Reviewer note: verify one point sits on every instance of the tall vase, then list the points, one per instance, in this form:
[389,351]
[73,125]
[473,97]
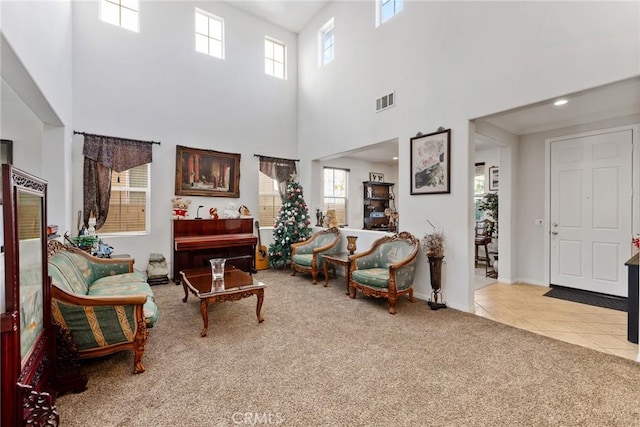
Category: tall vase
[351,244]
[435,273]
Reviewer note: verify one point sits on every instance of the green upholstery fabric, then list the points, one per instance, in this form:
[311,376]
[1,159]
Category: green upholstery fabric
[394,252]
[109,328]
[109,286]
[374,277]
[99,326]
[70,273]
[306,259]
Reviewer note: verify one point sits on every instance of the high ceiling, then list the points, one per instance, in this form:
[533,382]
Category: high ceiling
[292,15]
[613,100]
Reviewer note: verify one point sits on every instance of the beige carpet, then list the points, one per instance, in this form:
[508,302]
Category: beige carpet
[321,358]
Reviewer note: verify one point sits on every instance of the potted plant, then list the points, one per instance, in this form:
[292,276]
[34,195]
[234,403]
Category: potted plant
[433,246]
[489,205]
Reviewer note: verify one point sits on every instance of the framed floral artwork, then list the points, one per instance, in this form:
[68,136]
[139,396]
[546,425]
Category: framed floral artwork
[430,163]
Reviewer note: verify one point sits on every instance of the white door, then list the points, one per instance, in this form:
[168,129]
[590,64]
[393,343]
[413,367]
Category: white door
[591,211]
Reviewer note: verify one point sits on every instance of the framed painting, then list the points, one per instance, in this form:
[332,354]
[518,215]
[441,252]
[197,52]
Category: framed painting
[207,173]
[431,163]
[376,177]
[494,178]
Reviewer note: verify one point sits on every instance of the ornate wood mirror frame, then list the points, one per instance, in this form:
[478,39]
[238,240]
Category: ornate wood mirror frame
[27,335]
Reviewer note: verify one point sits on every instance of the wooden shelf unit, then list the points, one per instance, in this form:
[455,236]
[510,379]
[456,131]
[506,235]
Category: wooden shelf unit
[378,196]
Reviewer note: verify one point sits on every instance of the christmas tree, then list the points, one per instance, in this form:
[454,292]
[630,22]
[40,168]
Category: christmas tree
[291,225]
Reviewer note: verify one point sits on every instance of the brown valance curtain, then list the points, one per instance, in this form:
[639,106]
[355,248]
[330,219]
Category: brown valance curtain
[279,169]
[102,154]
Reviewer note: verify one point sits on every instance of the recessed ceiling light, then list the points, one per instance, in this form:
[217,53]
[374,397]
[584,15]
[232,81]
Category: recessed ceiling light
[394,158]
[560,102]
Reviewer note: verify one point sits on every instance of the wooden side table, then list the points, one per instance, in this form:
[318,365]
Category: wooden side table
[339,258]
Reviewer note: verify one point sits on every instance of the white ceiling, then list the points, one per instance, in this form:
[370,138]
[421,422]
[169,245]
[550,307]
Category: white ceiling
[604,102]
[292,15]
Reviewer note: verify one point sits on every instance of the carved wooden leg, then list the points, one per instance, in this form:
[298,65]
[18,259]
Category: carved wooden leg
[346,279]
[204,309]
[325,271]
[352,290]
[411,295]
[260,295]
[186,292]
[140,340]
[392,305]
[314,276]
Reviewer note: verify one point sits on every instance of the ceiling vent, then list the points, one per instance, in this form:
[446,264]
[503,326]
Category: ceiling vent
[385,102]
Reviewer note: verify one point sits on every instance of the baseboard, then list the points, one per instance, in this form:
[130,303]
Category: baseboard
[532,282]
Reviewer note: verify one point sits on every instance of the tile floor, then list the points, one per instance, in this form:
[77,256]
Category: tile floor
[524,306]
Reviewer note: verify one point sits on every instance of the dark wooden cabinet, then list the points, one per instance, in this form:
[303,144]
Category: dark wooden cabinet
[378,197]
[632,297]
[27,334]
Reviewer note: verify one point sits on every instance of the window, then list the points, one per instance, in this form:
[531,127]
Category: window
[209,34]
[336,195]
[269,200]
[123,13]
[129,203]
[478,189]
[275,54]
[325,43]
[387,9]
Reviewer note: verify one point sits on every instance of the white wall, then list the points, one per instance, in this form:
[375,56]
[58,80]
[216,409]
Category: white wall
[19,124]
[450,62]
[153,85]
[36,68]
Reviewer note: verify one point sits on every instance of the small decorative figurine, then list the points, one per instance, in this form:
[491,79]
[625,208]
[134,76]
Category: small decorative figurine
[180,207]
[213,213]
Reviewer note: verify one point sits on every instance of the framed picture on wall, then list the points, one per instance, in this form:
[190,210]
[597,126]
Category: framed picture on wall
[376,177]
[431,163]
[207,173]
[494,178]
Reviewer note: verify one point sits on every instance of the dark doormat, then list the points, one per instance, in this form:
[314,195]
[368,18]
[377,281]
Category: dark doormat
[590,298]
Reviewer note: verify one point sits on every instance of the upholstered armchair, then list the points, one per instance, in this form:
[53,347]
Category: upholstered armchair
[105,305]
[306,257]
[386,270]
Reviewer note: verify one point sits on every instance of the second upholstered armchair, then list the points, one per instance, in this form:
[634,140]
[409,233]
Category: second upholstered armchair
[306,257]
[386,270]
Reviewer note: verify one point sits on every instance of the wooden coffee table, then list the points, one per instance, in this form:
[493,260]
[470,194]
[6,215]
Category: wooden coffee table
[237,285]
[339,258]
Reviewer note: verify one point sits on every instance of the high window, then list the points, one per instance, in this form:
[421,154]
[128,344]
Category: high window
[275,55]
[479,189]
[387,9]
[209,34]
[269,200]
[123,13]
[325,43]
[336,184]
[129,203]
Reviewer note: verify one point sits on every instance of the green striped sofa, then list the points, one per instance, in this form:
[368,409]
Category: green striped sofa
[386,269]
[103,302]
